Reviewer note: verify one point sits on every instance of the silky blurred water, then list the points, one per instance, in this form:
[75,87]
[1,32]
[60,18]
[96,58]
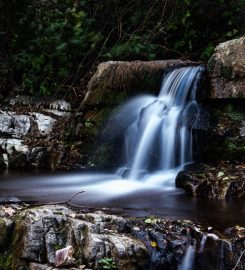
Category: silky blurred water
[122,197]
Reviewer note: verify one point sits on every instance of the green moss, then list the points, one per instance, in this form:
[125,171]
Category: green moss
[234,149]
[234,114]
[226,72]
[241,95]
[4,232]
[103,156]
[107,263]
[6,261]
[211,64]
[10,258]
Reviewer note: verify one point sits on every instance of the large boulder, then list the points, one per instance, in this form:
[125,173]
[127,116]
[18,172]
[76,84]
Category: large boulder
[115,81]
[227,69]
[42,233]
[224,181]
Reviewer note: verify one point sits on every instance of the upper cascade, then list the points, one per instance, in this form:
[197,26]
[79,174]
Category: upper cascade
[158,137]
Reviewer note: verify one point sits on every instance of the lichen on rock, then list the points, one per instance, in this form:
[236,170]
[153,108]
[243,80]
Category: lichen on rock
[227,69]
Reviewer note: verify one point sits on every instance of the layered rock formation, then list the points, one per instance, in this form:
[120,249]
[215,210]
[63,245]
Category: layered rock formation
[51,236]
[32,133]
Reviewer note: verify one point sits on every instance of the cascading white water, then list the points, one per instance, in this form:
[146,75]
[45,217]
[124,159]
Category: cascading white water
[158,144]
[188,259]
[159,137]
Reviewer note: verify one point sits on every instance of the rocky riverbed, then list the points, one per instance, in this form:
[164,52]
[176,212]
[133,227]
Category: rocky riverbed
[56,236]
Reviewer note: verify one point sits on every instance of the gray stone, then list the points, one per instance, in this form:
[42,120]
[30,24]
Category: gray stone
[38,266]
[227,69]
[60,105]
[14,125]
[37,157]
[43,231]
[10,145]
[214,183]
[242,129]
[45,123]
[95,235]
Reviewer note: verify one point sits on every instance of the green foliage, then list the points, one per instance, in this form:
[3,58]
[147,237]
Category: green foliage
[234,149]
[107,263]
[60,33]
[88,123]
[235,115]
[211,64]
[50,47]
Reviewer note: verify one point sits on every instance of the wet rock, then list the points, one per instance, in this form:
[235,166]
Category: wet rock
[242,129]
[13,145]
[3,164]
[37,157]
[9,200]
[14,125]
[3,235]
[220,136]
[21,100]
[222,182]
[61,105]
[45,123]
[38,266]
[18,160]
[47,233]
[227,70]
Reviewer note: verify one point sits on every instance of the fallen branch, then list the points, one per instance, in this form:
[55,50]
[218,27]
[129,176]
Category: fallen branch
[239,259]
[67,202]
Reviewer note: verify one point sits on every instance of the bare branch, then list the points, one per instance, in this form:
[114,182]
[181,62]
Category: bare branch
[238,261]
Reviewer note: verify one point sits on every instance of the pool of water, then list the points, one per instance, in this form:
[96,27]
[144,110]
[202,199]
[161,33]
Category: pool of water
[128,198]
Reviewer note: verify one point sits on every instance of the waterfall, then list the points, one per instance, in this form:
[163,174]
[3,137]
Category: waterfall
[158,138]
[158,144]
[203,242]
[188,259]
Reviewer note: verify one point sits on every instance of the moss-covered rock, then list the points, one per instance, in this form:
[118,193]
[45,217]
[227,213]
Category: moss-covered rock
[116,81]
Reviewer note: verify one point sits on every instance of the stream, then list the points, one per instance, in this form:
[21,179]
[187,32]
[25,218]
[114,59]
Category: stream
[134,199]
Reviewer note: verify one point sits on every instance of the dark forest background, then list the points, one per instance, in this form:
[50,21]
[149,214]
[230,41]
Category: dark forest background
[52,47]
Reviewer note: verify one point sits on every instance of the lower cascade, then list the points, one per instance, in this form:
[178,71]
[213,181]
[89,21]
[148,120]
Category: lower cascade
[158,139]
